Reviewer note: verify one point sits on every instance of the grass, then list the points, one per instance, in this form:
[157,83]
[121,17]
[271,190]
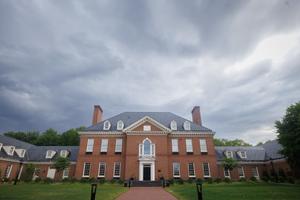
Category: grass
[58,191]
[241,191]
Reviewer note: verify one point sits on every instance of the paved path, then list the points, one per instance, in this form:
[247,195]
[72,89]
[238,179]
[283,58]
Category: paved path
[146,193]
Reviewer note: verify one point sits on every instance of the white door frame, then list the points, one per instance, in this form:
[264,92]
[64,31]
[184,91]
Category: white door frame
[141,170]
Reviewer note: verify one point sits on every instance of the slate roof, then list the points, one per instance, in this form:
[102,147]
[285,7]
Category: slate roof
[33,152]
[272,149]
[163,118]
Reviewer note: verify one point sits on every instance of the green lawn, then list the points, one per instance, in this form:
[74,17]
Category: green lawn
[58,191]
[241,191]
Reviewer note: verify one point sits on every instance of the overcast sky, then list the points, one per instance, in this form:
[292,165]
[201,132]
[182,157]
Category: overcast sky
[238,60]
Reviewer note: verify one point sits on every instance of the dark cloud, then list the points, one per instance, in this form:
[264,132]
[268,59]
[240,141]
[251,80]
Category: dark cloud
[59,58]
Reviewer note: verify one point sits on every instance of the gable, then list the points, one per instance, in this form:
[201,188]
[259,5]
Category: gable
[138,126]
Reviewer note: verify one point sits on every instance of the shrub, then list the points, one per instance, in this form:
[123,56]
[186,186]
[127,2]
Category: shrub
[291,180]
[254,179]
[121,182]
[66,180]
[265,178]
[281,173]
[73,180]
[48,180]
[179,181]
[242,180]
[171,181]
[227,180]
[101,180]
[112,181]
[199,180]
[37,180]
[281,179]
[209,180]
[27,175]
[84,180]
[191,180]
[4,180]
[218,180]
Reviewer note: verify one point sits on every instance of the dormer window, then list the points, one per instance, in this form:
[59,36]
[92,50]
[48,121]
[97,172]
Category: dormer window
[50,154]
[106,125]
[173,125]
[242,154]
[1,145]
[64,153]
[229,154]
[187,126]
[20,152]
[9,150]
[120,125]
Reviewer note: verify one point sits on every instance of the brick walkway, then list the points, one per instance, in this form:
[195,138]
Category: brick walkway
[146,193]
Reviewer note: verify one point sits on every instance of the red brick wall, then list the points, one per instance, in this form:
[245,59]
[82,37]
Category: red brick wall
[14,171]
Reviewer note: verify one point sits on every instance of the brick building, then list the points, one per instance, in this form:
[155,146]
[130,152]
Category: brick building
[144,146]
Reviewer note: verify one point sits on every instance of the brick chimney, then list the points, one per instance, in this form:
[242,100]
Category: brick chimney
[196,115]
[97,115]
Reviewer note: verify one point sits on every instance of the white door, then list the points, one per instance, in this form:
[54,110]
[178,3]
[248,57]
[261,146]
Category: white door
[51,173]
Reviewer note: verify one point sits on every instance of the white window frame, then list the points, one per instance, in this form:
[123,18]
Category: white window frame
[20,152]
[241,154]
[120,125]
[64,153]
[227,170]
[8,170]
[106,125]
[84,166]
[118,146]
[176,175]
[146,128]
[51,152]
[117,175]
[229,154]
[242,170]
[187,126]
[65,173]
[1,145]
[257,173]
[175,148]
[104,145]
[101,164]
[203,145]
[173,125]
[203,168]
[194,174]
[189,147]
[142,149]
[89,145]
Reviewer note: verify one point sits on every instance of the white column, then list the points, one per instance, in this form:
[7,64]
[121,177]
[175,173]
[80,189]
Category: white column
[141,171]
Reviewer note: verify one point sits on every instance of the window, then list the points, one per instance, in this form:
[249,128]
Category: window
[64,153]
[1,145]
[229,154]
[203,146]
[118,147]
[22,153]
[117,169]
[242,154]
[189,145]
[255,172]
[191,169]
[120,125]
[173,125]
[176,169]
[147,128]
[147,147]
[86,169]
[50,154]
[187,126]
[8,171]
[175,145]
[106,125]
[104,145]
[241,172]
[66,173]
[206,170]
[102,167]
[90,145]
[226,173]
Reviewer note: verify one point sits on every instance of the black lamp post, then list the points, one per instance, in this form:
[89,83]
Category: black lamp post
[199,190]
[93,191]
[19,171]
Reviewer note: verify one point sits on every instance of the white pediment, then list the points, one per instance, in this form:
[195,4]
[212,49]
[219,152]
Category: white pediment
[150,121]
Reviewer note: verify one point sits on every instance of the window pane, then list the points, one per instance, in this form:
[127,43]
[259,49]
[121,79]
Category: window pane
[203,146]
[189,145]
[117,169]
[147,147]
[206,170]
[241,171]
[102,169]
[66,173]
[104,145]
[191,169]
[254,172]
[90,145]
[87,167]
[176,169]
[118,147]
[174,145]
[226,173]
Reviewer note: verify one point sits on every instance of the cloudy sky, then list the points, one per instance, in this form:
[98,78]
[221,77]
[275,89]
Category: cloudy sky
[238,60]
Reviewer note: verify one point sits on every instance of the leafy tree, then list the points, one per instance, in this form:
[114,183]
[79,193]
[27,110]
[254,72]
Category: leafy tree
[30,137]
[61,163]
[28,173]
[49,138]
[229,163]
[226,142]
[288,130]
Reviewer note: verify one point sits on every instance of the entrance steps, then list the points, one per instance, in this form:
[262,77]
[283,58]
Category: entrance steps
[145,184]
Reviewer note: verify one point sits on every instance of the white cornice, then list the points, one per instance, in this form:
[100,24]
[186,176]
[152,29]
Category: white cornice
[147,119]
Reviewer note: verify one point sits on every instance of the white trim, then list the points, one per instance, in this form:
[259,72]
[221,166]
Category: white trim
[20,152]
[175,147]
[8,150]
[141,170]
[229,174]
[101,133]
[64,153]
[240,153]
[119,145]
[191,134]
[192,176]
[143,120]
[50,154]
[256,168]
[20,172]
[173,125]
[104,145]
[63,173]
[173,164]
[243,176]
[106,125]
[84,164]
[203,145]
[120,125]
[89,145]
[1,145]
[206,176]
[7,173]
[187,125]
[189,147]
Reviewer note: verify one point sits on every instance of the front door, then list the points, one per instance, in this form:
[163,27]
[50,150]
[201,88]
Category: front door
[147,172]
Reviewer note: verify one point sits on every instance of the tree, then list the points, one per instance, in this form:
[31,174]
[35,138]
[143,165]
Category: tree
[27,175]
[49,138]
[61,163]
[229,163]
[30,137]
[226,142]
[288,130]
[71,137]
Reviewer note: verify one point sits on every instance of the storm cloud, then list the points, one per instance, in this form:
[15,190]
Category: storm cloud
[238,60]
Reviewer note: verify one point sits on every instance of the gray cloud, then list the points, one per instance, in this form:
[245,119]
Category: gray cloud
[58,58]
